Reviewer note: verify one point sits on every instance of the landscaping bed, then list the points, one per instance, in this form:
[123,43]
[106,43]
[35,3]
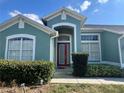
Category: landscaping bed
[81,68]
[26,72]
[66,88]
[104,70]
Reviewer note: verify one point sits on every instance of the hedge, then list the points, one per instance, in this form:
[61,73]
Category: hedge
[26,72]
[103,70]
[80,61]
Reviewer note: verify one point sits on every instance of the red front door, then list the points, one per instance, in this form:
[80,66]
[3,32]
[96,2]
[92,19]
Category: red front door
[63,54]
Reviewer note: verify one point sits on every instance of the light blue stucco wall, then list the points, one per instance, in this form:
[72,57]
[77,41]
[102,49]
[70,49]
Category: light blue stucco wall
[72,20]
[109,46]
[109,40]
[42,50]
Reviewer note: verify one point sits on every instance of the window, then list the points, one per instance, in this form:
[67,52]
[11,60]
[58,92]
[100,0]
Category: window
[91,45]
[92,49]
[64,38]
[20,48]
[89,37]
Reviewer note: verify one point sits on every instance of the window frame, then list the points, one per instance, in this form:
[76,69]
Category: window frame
[21,36]
[93,41]
[68,41]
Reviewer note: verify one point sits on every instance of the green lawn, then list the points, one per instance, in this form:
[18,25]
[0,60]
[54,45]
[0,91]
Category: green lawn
[83,88]
[66,88]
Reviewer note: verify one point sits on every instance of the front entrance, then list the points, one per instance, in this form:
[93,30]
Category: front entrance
[63,53]
[63,50]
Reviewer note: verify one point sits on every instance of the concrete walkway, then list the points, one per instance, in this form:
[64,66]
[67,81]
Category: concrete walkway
[116,81]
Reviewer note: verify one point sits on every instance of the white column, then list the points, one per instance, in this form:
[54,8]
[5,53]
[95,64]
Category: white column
[51,49]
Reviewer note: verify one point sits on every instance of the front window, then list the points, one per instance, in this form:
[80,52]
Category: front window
[20,48]
[91,45]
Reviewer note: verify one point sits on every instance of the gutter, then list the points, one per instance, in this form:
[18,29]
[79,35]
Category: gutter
[57,34]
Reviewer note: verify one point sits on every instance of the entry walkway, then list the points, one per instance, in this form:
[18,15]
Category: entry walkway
[116,81]
[65,76]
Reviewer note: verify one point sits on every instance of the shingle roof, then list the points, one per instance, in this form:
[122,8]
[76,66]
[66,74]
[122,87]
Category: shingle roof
[117,28]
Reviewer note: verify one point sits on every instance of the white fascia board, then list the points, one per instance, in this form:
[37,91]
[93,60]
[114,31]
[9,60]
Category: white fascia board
[99,30]
[16,19]
[67,11]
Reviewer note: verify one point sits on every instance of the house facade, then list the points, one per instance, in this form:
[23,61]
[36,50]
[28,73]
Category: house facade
[62,33]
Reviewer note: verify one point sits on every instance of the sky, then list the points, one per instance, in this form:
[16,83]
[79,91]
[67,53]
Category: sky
[110,12]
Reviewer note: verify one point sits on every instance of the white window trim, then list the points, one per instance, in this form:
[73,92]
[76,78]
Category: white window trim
[89,41]
[85,34]
[22,36]
[98,41]
[105,62]
[69,41]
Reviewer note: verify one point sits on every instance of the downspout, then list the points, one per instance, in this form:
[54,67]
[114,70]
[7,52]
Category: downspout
[120,53]
[52,47]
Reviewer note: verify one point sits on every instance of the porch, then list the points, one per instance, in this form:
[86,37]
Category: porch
[63,46]
[64,73]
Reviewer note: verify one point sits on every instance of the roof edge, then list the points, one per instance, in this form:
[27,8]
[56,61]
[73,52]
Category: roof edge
[64,9]
[101,29]
[34,23]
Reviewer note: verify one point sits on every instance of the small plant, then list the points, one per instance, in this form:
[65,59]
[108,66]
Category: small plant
[13,83]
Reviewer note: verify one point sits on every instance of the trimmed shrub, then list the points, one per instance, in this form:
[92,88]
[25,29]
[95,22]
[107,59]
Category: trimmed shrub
[79,64]
[26,72]
[103,70]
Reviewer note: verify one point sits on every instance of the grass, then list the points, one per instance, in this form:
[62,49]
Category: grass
[83,88]
[66,88]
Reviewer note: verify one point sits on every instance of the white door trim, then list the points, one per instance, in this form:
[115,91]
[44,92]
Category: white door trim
[70,42]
